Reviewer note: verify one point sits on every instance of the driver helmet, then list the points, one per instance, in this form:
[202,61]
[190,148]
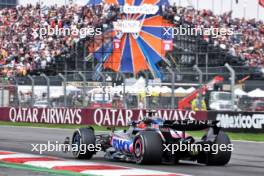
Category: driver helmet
[151,113]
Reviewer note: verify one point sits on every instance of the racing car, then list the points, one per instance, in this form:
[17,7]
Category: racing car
[153,141]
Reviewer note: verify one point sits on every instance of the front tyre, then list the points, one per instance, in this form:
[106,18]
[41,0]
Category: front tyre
[222,157]
[148,148]
[81,139]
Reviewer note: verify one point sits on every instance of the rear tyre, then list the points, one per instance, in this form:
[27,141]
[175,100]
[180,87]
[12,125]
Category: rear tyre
[148,148]
[81,139]
[222,157]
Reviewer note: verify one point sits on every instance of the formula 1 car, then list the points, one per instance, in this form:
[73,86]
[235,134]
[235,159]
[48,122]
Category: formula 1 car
[152,141]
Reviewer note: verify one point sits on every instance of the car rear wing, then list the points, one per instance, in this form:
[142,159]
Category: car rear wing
[191,125]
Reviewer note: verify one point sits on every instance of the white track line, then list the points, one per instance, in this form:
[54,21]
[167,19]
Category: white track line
[116,171]
[51,164]
[19,155]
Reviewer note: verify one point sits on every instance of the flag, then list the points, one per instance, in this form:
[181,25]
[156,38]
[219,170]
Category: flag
[117,43]
[261,3]
[167,45]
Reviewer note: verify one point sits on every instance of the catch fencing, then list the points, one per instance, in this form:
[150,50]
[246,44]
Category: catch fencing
[115,89]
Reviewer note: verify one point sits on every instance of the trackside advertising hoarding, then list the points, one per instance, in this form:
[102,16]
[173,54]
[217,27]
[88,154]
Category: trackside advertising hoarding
[239,121]
[108,117]
[229,121]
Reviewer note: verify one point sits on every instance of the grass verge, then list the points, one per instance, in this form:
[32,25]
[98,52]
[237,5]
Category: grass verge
[234,136]
[40,169]
[46,125]
[257,137]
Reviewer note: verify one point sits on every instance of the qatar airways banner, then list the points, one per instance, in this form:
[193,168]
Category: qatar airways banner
[106,117]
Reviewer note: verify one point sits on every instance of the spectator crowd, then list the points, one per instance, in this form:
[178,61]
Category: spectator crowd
[247,40]
[23,51]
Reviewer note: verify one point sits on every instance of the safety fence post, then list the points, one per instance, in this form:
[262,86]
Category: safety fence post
[84,87]
[232,79]
[199,71]
[124,87]
[64,89]
[48,87]
[104,82]
[32,89]
[172,88]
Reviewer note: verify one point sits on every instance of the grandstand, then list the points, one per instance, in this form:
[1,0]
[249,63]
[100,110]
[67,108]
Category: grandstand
[28,54]
[146,52]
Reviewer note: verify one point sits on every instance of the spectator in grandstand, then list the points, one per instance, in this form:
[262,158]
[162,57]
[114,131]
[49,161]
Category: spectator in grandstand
[247,41]
[23,50]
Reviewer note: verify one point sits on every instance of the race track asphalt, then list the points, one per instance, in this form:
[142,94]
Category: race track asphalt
[247,157]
